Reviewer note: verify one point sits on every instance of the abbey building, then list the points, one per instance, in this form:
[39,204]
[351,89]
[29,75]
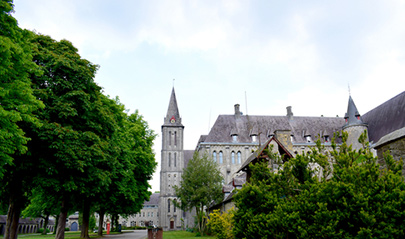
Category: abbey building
[234,137]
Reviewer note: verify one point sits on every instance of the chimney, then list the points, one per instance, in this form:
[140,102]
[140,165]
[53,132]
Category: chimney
[237,111]
[290,114]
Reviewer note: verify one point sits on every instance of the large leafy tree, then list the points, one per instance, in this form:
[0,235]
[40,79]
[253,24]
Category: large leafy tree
[200,186]
[17,104]
[132,146]
[77,122]
[337,194]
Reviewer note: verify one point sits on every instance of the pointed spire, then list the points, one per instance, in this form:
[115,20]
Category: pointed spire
[352,115]
[173,115]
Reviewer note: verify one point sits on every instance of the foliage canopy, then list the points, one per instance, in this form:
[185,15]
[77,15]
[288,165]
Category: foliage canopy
[346,195]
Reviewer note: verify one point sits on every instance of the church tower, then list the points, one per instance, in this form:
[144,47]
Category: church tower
[354,125]
[172,164]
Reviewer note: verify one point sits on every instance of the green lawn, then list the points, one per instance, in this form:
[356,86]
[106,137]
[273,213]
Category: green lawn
[181,235]
[70,235]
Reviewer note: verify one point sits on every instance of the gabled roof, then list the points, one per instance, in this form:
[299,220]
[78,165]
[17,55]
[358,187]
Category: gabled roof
[153,200]
[172,112]
[259,153]
[386,118]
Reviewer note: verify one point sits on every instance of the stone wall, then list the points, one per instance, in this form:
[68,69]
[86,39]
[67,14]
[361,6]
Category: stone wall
[397,150]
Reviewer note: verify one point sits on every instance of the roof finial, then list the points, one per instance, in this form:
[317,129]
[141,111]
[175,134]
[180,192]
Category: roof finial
[173,83]
[348,84]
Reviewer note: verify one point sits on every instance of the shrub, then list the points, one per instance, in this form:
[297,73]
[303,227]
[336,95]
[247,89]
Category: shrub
[67,229]
[221,224]
[40,230]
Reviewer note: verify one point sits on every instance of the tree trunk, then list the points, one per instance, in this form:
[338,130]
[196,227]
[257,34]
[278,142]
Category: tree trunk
[56,223]
[13,217]
[100,223]
[15,222]
[45,224]
[86,219]
[9,220]
[60,232]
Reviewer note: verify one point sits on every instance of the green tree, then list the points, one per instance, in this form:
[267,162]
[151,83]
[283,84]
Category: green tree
[17,104]
[320,194]
[132,146]
[200,186]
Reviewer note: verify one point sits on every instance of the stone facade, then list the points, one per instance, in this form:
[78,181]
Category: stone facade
[148,216]
[173,160]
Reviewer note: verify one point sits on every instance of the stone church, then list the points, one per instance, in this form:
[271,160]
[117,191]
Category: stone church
[233,138]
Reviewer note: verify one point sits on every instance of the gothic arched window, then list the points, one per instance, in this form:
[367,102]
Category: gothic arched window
[214,156]
[170,137]
[175,138]
[168,205]
[170,159]
[239,157]
[175,154]
[233,157]
[221,158]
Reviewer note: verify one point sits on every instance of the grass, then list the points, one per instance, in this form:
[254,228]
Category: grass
[181,235]
[70,235]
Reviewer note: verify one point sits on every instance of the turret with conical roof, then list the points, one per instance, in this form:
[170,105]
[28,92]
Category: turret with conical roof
[173,116]
[354,125]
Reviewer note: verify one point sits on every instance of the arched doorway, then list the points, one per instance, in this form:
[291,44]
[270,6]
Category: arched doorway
[73,227]
[171,223]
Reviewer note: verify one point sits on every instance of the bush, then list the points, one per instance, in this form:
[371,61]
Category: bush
[40,230]
[67,229]
[220,224]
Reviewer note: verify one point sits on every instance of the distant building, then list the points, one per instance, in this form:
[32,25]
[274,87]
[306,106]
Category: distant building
[148,216]
[27,225]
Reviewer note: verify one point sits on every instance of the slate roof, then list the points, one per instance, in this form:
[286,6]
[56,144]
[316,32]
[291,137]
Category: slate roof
[246,125]
[386,118]
[352,115]
[172,112]
[188,155]
[153,200]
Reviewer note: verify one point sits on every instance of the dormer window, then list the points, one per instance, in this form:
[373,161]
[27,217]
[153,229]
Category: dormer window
[308,138]
[235,138]
[254,138]
[326,138]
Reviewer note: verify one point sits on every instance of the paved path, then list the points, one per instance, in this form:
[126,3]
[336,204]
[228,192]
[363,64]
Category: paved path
[137,234]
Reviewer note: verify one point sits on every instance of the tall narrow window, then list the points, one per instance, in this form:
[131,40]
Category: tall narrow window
[170,138]
[233,157]
[175,138]
[170,160]
[174,205]
[239,157]
[221,160]
[214,156]
[175,159]
[168,205]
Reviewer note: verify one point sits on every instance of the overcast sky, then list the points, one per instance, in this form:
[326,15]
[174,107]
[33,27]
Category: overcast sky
[302,54]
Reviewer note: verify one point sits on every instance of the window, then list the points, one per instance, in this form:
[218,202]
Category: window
[214,156]
[235,138]
[239,157]
[174,209]
[175,154]
[254,138]
[233,157]
[170,137]
[148,214]
[168,205]
[152,214]
[170,156]
[308,138]
[326,138]
[143,214]
[221,160]
[175,138]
